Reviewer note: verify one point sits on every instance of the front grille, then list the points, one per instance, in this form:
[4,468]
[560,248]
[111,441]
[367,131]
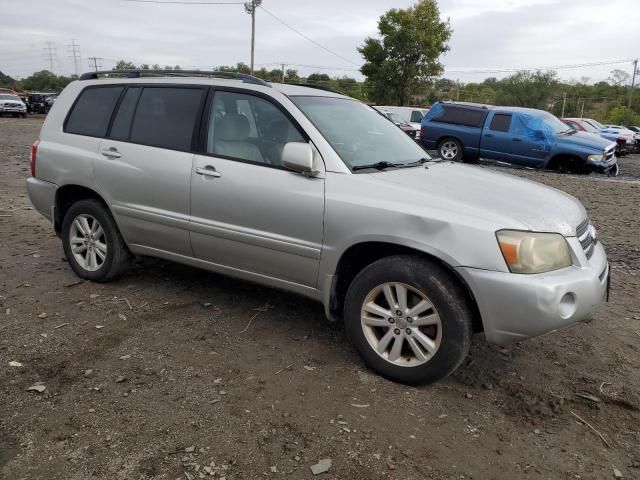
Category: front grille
[587,237]
[609,154]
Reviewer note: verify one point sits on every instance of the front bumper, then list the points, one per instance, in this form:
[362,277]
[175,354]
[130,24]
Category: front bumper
[42,195]
[516,307]
[7,109]
[603,167]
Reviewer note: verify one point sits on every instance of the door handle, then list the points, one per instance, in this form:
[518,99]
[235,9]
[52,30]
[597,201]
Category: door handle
[111,152]
[516,139]
[208,171]
[489,135]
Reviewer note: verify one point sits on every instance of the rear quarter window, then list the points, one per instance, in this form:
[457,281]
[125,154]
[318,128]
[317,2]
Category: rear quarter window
[91,113]
[462,116]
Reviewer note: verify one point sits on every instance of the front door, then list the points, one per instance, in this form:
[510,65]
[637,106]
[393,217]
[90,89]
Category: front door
[249,213]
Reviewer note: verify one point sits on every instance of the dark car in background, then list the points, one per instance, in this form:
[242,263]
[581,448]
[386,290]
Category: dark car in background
[39,102]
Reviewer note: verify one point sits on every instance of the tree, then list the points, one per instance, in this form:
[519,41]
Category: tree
[623,116]
[318,78]
[291,76]
[407,54]
[619,77]
[44,80]
[527,89]
[7,82]
[123,65]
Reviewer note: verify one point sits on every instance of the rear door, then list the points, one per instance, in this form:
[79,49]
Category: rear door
[144,165]
[250,215]
[497,139]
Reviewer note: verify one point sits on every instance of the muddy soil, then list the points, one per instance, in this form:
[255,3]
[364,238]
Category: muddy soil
[172,372]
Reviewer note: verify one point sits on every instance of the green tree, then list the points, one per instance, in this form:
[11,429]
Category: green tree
[623,116]
[320,78]
[124,65]
[291,76]
[7,82]
[527,89]
[406,57]
[44,80]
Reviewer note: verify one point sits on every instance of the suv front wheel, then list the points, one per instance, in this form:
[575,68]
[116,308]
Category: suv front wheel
[409,319]
[92,243]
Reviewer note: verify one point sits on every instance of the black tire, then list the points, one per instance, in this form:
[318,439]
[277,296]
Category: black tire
[444,292]
[446,146]
[117,257]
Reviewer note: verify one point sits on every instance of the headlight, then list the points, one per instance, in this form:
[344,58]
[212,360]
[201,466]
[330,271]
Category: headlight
[530,252]
[595,158]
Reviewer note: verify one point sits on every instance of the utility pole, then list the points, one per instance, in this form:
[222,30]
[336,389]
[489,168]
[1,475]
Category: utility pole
[458,90]
[283,66]
[250,8]
[95,63]
[582,110]
[633,81]
[75,54]
[51,51]
[564,101]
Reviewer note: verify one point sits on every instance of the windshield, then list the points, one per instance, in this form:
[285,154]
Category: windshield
[596,124]
[554,123]
[358,134]
[9,97]
[394,117]
[588,127]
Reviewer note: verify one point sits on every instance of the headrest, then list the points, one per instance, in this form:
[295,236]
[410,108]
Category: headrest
[233,127]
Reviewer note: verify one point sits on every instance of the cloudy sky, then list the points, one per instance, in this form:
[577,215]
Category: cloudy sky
[488,35]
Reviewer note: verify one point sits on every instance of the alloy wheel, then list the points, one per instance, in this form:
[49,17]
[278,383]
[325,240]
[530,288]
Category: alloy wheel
[88,242]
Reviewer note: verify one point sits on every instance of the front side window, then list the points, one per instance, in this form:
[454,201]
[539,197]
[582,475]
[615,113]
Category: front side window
[358,134]
[249,128]
[416,116]
[92,111]
[165,117]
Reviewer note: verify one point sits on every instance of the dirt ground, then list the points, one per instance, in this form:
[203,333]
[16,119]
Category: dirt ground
[163,375]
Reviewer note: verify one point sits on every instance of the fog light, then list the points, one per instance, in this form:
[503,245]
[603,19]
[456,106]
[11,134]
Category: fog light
[567,305]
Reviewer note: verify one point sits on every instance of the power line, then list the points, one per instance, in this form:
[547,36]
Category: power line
[95,62]
[309,39]
[185,3]
[549,67]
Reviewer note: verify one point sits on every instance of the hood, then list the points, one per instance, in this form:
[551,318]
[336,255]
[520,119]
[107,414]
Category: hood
[586,139]
[479,196]
[12,102]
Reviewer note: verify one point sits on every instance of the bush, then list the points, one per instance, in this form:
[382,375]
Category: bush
[623,116]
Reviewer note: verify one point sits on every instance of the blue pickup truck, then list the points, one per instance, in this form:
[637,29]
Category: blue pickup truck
[522,136]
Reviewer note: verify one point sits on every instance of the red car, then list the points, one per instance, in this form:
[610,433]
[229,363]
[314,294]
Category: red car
[582,126]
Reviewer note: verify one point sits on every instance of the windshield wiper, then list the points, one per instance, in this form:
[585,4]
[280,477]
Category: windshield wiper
[385,164]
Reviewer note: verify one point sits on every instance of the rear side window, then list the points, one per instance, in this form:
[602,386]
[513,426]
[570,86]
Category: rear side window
[500,122]
[462,116]
[92,111]
[166,116]
[122,123]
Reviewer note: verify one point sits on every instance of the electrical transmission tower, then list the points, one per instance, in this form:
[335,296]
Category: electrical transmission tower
[74,50]
[50,51]
[95,63]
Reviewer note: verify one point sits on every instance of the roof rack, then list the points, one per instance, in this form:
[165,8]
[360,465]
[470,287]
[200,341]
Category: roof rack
[174,73]
[314,85]
[467,104]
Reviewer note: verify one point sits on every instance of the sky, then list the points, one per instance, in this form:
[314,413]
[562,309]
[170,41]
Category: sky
[490,37]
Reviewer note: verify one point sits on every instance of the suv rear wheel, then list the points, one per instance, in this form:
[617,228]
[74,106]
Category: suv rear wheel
[409,319]
[450,149]
[92,243]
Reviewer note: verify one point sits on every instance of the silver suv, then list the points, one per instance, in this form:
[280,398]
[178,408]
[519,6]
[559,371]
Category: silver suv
[313,192]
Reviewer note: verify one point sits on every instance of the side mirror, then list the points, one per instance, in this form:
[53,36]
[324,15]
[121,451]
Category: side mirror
[298,156]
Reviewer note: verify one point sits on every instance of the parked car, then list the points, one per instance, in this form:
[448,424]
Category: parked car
[522,136]
[411,115]
[583,126]
[634,128]
[315,193]
[40,102]
[8,91]
[12,105]
[405,127]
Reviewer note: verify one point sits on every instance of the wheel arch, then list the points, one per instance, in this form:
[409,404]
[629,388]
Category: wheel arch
[359,255]
[559,158]
[66,196]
